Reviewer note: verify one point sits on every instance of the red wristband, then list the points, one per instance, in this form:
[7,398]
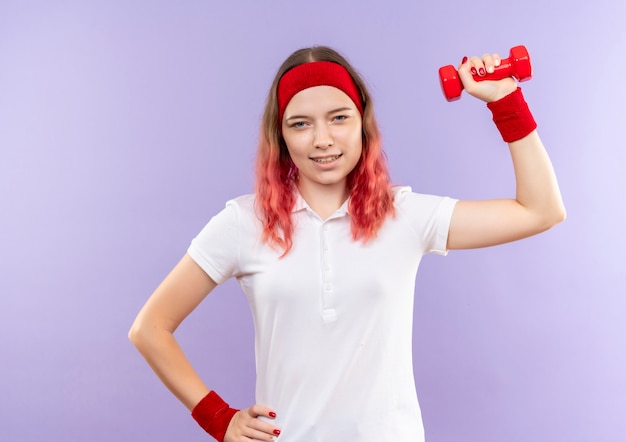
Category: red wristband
[512,116]
[214,415]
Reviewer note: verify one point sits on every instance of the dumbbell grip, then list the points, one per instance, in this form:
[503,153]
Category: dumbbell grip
[516,65]
[505,70]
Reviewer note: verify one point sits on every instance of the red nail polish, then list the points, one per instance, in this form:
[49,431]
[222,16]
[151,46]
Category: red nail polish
[276,432]
[272,414]
[464,60]
[481,71]
[474,72]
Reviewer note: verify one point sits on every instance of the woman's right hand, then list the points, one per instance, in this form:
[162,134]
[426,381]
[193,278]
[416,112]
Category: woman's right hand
[245,426]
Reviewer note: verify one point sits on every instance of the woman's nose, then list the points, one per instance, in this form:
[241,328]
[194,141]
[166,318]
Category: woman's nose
[323,137]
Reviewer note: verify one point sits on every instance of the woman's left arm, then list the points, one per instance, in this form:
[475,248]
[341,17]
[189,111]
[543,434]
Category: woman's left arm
[537,205]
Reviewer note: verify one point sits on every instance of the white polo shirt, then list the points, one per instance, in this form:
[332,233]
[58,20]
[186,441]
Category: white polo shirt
[334,317]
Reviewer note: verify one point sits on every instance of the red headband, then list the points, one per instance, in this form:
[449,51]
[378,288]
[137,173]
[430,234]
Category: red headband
[316,73]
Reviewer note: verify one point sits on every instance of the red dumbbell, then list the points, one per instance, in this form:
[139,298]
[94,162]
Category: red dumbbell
[517,65]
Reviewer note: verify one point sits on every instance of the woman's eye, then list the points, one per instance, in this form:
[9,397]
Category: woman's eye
[298,124]
[340,118]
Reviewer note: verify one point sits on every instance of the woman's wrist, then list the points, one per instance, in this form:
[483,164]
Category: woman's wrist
[506,89]
[213,414]
[512,116]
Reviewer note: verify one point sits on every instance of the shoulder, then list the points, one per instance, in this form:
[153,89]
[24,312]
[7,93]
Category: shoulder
[405,197]
[420,206]
[235,212]
[244,203]
[236,218]
[242,210]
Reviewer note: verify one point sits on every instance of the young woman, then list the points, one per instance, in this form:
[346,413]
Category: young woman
[327,251]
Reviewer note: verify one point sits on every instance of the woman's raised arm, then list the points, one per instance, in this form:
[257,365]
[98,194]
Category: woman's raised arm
[537,205]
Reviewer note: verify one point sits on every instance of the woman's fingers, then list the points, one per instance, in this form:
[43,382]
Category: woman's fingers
[246,425]
[261,410]
[257,411]
[475,69]
[483,66]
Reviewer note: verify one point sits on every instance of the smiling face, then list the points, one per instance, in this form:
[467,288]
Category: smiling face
[322,129]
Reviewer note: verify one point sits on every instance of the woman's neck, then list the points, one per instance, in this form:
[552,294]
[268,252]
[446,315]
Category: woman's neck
[324,199]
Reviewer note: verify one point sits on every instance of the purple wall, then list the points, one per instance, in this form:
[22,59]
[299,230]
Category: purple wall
[124,125]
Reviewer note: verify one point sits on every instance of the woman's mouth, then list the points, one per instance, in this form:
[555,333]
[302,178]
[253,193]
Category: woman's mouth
[326,159]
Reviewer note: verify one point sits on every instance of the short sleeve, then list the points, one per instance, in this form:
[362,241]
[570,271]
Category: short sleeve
[429,216]
[216,248]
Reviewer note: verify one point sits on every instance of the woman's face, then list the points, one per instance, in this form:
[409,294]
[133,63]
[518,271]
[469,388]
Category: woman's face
[322,129]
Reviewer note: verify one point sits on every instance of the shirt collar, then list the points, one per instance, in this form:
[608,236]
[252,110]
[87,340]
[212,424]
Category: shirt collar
[301,204]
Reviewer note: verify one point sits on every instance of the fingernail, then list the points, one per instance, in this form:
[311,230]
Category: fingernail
[464,60]
[481,71]
[272,414]
[490,69]
[497,62]
[474,71]
[276,432]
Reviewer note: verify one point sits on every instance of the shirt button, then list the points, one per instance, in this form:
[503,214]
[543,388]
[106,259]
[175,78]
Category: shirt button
[328,287]
[329,315]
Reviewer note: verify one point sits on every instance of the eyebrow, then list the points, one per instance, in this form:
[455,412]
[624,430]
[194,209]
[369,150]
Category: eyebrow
[339,109]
